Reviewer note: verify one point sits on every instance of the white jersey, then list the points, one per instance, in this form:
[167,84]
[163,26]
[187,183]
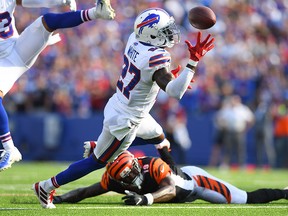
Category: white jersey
[19,52]
[136,90]
[126,115]
[8,31]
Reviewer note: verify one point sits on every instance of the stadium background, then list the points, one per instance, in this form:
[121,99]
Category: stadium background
[58,104]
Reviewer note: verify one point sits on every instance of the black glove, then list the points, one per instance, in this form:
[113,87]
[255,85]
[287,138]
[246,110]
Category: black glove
[57,199]
[133,198]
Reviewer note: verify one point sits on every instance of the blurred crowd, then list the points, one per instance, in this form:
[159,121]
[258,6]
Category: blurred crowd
[77,76]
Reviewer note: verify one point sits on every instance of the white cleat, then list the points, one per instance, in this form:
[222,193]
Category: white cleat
[104,10]
[89,147]
[9,157]
[72,4]
[45,199]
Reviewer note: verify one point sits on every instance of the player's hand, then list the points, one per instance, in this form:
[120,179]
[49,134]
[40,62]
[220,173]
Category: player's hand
[133,198]
[71,3]
[201,48]
[175,74]
[176,71]
[57,199]
[89,147]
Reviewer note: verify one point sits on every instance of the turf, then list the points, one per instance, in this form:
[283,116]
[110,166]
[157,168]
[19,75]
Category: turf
[17,198]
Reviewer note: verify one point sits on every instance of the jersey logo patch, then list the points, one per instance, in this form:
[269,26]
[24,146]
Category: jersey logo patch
[162,169]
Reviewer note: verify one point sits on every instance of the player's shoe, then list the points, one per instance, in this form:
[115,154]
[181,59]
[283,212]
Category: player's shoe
[45,198]
[89,147]
[104,10]
[9,157]
[286,190]
[72,4]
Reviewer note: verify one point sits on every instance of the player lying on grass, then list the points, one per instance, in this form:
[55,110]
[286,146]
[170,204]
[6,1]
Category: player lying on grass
[148,180]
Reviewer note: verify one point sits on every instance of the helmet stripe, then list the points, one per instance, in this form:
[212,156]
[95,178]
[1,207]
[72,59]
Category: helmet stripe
[146,22]
[115,168]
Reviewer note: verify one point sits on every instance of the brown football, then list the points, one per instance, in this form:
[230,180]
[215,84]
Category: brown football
[202,17]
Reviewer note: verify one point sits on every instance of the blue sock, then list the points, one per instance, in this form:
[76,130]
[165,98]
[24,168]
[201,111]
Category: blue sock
[78,170]
[63,20]
[4,123]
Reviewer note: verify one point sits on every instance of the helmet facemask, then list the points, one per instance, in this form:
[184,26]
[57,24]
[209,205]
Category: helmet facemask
[170,34]
[132,176]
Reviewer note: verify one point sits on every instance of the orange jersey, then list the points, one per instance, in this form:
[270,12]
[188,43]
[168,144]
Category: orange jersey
[191,183]
[154,170]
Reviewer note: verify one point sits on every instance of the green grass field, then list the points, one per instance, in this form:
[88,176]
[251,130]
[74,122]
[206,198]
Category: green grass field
[17,198]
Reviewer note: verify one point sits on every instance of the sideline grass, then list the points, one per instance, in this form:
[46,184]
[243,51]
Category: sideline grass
[17,198]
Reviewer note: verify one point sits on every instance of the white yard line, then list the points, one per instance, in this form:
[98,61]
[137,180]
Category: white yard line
[183,207]
[164,207]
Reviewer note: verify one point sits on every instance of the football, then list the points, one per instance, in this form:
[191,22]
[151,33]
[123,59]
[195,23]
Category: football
[202,17]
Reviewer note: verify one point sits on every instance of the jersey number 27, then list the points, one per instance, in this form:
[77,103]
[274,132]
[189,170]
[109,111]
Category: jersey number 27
[133,70]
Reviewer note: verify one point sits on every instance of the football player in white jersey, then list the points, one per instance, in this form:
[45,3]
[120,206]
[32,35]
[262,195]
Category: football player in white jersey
[146,70]
[19,52]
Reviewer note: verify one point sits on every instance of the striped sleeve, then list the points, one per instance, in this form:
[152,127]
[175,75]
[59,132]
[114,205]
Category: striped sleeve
[161,58]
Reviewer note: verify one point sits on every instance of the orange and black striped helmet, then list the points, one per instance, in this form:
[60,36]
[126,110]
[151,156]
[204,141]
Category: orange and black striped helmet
[126,169]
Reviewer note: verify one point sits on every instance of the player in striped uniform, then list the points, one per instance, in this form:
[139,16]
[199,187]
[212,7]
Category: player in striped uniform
[19,52]
[146,70]
[147,180]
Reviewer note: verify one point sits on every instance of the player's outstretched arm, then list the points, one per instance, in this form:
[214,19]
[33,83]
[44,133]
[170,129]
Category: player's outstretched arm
[47,4]
[79,194]
[177,87]
[165,193]
[200,49]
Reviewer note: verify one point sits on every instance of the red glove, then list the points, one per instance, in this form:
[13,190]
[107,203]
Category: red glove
[176,71]
[175,74]
[201,48]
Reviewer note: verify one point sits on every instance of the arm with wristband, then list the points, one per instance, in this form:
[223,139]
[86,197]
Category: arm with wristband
[177,87]
[165,193]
